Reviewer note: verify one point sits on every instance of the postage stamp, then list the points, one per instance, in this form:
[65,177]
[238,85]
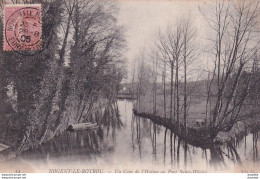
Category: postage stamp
[22,27]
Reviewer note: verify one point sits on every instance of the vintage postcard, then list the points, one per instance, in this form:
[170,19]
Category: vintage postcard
[129,86]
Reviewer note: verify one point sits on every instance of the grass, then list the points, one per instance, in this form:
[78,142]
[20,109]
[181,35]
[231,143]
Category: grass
[196,107]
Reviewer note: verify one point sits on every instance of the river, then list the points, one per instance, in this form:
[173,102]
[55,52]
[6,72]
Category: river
[129,143]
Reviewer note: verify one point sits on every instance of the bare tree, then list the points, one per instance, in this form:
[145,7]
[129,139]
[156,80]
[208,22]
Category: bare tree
[235,44]
[133,80]
[189,54]
[170,45]
[167,56]
[155,67]
[143,79]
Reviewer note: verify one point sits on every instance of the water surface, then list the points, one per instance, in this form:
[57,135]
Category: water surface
[132,143]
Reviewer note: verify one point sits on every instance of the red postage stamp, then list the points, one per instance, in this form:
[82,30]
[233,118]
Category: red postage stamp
[22,27]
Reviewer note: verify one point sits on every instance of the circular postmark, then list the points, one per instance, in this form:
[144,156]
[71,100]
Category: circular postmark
[23,30]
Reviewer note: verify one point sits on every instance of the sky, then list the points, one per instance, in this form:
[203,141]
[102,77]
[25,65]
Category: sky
[143,19]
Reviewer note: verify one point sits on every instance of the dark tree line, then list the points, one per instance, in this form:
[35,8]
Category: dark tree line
[80,65]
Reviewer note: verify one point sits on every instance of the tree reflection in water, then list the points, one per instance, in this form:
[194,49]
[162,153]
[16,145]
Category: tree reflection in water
[124,136]
[255,148]
[82,143]
[217,157]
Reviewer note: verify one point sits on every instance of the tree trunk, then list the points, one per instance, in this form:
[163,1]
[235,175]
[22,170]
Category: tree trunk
[185,94]
[177,94]
[171,102]
[164,92]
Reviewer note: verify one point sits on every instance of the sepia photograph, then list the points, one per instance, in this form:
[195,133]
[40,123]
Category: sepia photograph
[129,86]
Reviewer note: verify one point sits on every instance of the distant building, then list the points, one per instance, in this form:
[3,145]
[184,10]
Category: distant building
[123,90]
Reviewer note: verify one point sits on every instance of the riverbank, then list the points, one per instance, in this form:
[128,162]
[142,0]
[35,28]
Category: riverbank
[196,137]
[158,110]
[199,137]
[12,129]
